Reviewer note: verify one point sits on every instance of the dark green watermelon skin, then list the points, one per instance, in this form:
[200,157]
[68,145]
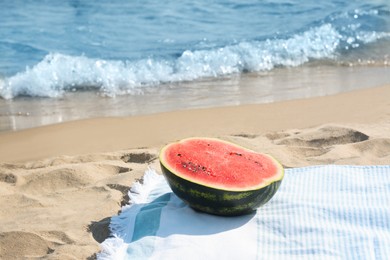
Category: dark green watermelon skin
[217,201]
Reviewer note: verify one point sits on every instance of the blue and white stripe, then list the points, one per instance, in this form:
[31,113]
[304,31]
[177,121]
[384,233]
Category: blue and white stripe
[319,212]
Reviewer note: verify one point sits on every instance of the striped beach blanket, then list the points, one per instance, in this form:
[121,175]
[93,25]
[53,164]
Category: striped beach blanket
[319,212]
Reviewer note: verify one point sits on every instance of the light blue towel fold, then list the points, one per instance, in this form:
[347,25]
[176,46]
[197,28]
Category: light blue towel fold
[320,212]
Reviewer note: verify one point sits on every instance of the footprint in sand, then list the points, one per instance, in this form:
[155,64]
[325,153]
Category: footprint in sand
[140,158]
[317,145]
[322,137]
[70,177]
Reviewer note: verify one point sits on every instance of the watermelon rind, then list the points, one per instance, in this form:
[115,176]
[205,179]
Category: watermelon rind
[218,200]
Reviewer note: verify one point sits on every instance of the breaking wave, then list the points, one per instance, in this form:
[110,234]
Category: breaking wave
[58,73]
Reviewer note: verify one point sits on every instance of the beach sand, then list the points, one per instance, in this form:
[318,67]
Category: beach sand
[60,184]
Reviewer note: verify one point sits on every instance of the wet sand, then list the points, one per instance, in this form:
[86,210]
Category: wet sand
[280,84]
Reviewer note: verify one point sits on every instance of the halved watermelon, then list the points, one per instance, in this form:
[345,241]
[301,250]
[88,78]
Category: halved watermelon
[219,177]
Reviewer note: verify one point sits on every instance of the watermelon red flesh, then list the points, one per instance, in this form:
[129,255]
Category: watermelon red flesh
[221,164]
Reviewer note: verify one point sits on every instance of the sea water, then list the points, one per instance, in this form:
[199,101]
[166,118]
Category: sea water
[126,50]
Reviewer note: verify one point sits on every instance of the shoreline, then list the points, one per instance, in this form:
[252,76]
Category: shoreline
[118,133]
[277,85]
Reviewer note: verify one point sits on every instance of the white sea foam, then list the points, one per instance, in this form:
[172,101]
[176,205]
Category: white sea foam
[58,73]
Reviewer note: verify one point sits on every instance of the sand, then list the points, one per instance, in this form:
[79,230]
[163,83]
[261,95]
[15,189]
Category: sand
[60,184]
